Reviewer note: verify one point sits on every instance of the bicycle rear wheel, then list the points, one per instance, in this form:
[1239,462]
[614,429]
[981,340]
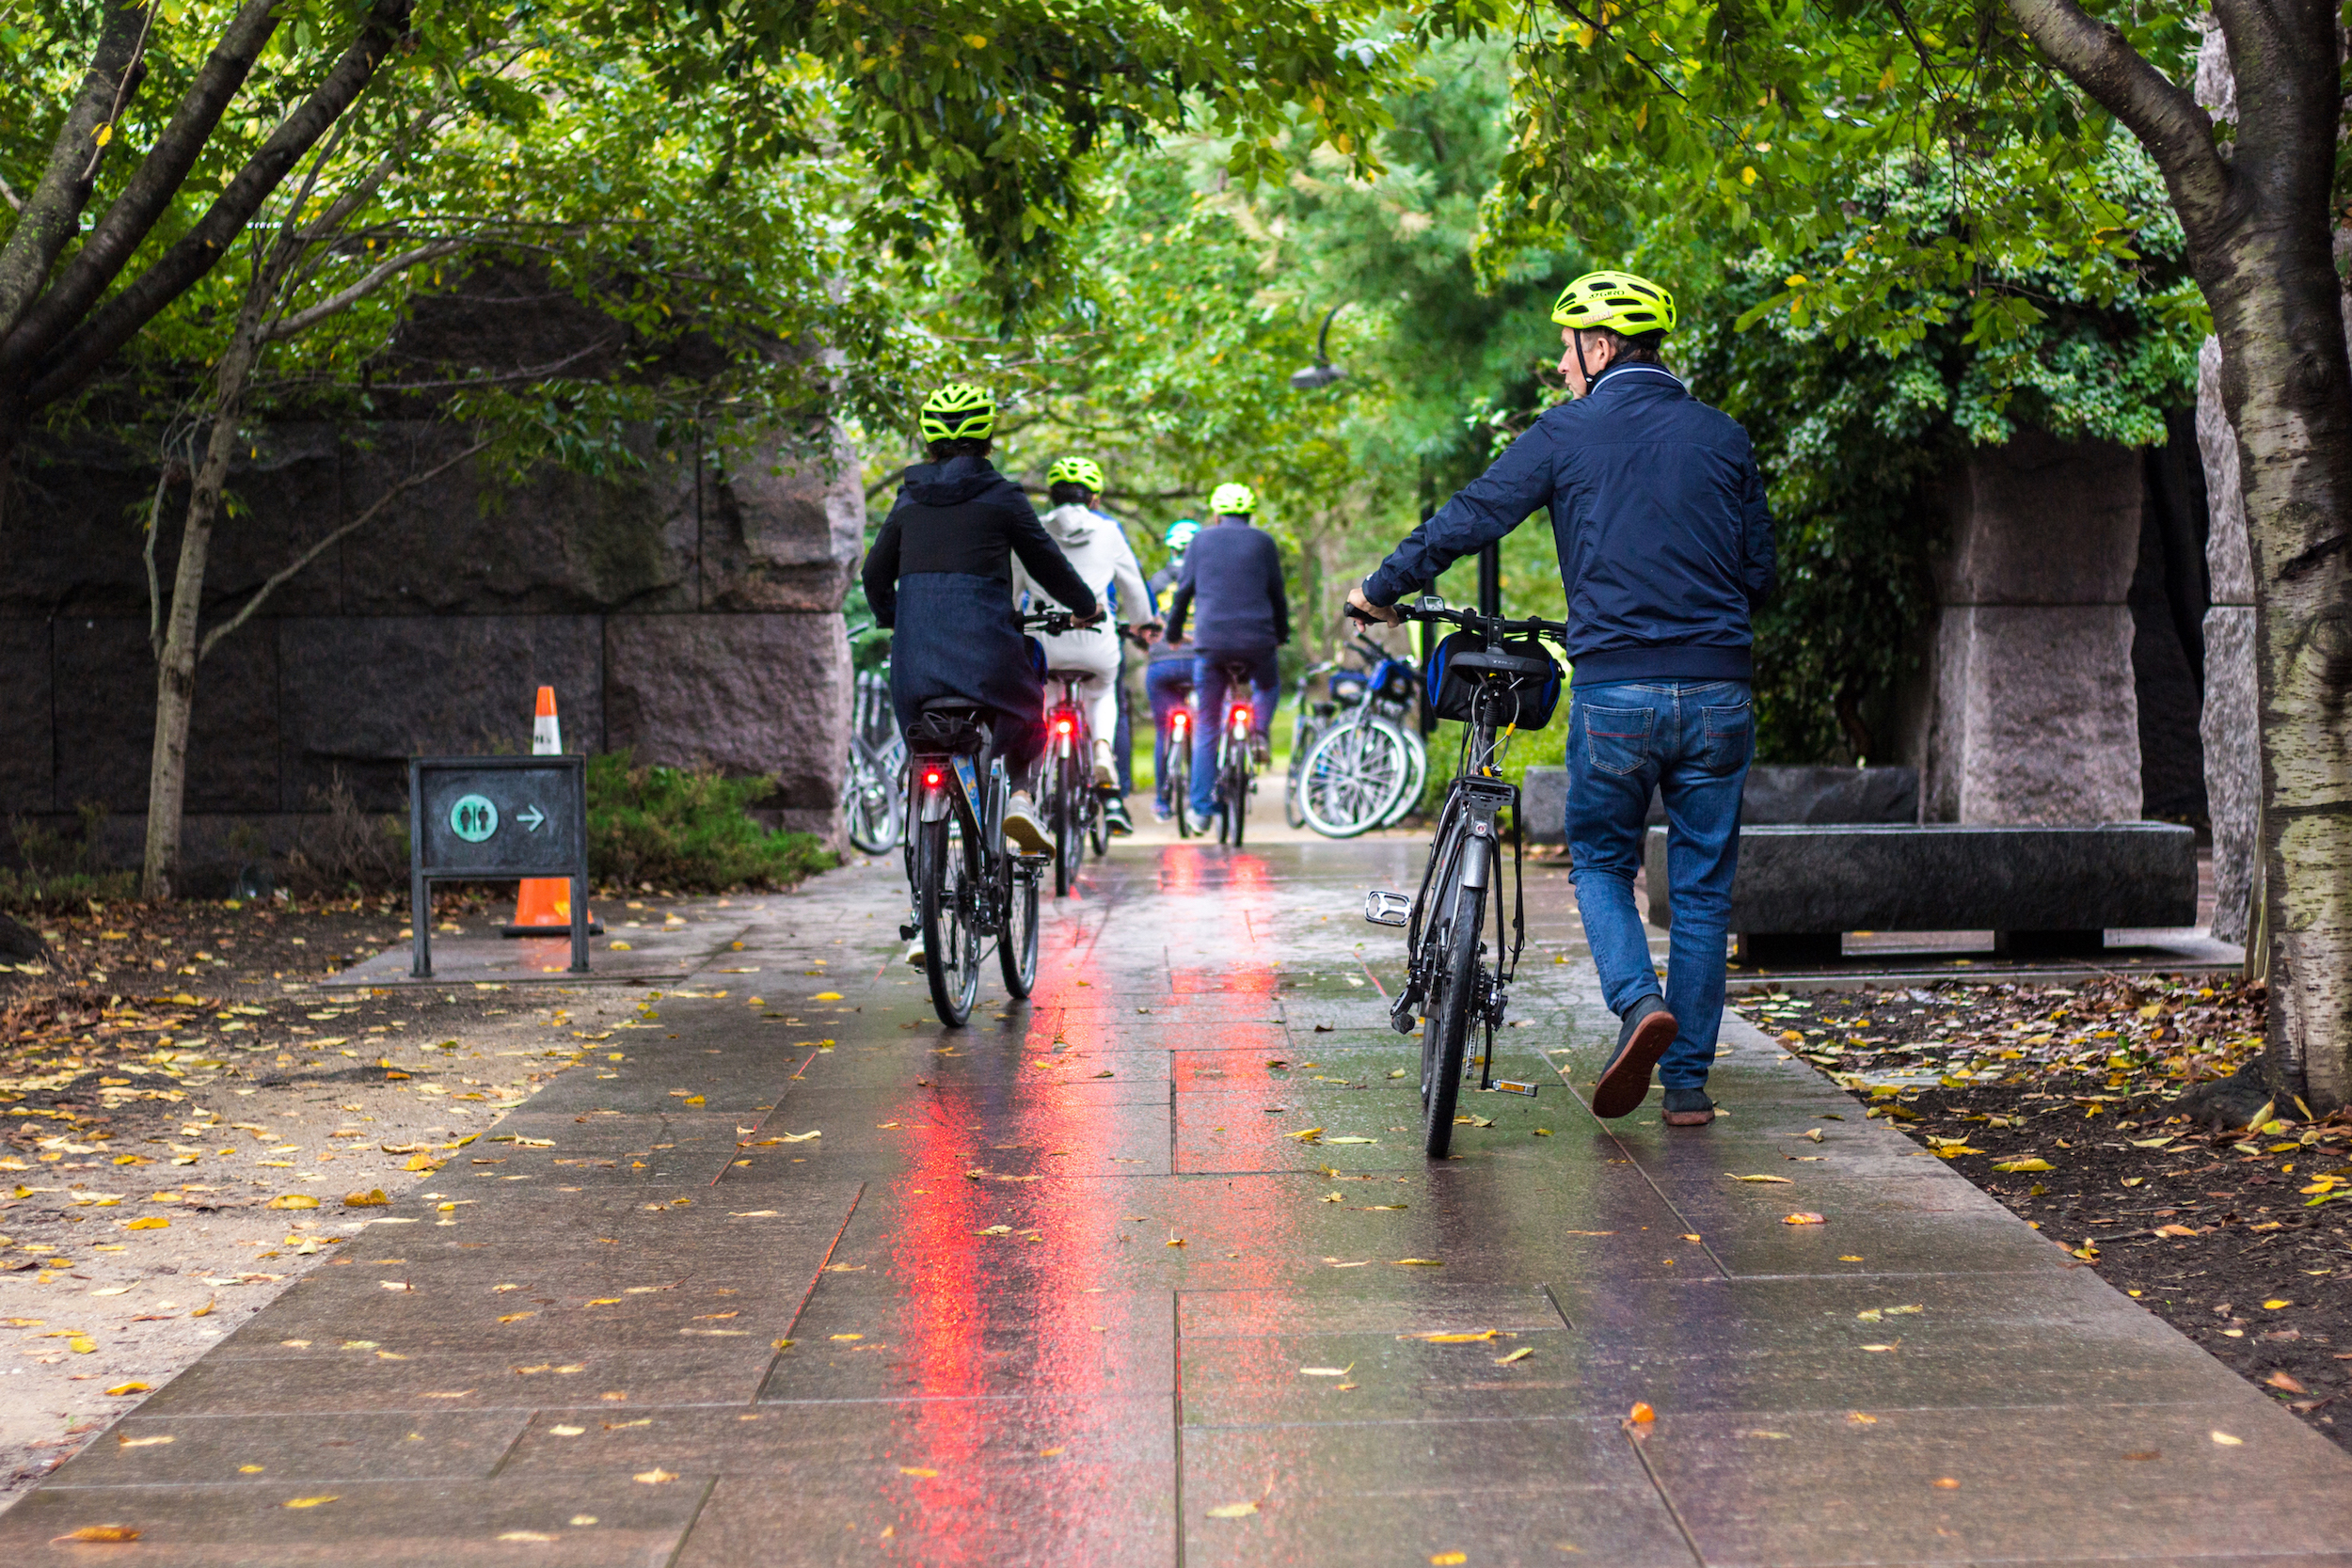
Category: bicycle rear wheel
[1445,1028]
[951,944]
[1064,811]
[1237,786]
[1180,784]
[1016,945]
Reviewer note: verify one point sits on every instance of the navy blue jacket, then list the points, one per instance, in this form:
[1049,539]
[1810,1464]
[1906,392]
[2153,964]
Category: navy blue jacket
[1658,511]
[1233,576]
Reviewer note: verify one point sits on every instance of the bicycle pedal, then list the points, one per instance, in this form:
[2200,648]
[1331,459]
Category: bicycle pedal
[1383,907]
[1505,1085]
[906,933]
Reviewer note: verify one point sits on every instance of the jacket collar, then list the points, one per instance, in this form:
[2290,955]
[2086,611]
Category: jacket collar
[1631,367]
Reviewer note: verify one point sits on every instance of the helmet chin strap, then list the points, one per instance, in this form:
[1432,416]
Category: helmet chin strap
[1582,367]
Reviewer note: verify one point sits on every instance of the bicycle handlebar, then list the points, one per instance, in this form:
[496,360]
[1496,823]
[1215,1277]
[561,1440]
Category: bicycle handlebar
[1058,621]
[1432,609]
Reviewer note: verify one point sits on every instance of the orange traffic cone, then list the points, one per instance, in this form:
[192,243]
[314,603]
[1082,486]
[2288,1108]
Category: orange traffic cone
[543,905]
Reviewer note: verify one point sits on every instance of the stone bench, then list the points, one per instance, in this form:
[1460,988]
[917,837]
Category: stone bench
[1774,793]
[2041,891]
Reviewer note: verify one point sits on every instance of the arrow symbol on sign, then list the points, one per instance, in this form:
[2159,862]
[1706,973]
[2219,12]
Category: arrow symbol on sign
[530,816]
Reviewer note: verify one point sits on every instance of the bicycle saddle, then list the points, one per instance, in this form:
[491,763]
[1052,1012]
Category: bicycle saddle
[949,724]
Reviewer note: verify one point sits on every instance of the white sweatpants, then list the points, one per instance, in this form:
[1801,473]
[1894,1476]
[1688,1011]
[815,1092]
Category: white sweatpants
[1097,654]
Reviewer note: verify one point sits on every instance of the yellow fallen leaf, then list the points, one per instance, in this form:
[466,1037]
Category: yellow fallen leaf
[2018,1165]
[1519,1355]
[826,996]
[1641,1414]
[304,1200]
[2175,1230]
[128,1388]
[1233,1511]
[1803,1218]
[527,1535]
[97,1533]
[1418,1264]
[917,1470]
[516,1317]
[1327,1371]
[2273,1304]
[1306,1134]
[1455,1339]
[1447,1560]
[1780,1180]
[140,1442]
[848,1335]
[311,1502]
[416,1162]
[149,1222]
[372,1198]
[695,1100]
[654,1477]
[2224,1440]
[81,1344]
[622,948]
[1353,1140]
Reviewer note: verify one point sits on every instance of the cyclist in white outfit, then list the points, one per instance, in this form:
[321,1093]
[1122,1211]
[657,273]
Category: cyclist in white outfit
[1100,554]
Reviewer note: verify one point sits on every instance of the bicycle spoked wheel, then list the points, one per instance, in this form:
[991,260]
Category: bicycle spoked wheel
[1068,846]
[1415,755]
[1445,1027]
[1016,945]
[951,943]
[1303,740]
[1352,778]
[1180,785]
[1237,791]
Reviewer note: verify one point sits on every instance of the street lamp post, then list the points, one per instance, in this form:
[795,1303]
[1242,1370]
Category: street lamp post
[1322,372]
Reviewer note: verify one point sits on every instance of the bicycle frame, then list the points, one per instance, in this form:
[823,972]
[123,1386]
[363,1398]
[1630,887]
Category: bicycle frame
[946,785]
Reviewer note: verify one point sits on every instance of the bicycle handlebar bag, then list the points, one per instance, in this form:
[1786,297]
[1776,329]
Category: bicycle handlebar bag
[1521,666]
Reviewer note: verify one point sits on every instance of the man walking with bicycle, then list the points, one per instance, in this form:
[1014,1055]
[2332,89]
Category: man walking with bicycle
[1666,545]
[1232,581]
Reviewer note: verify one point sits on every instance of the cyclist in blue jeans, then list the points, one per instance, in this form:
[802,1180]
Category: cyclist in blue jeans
[1665,552]
[1232,579]
[1168,668]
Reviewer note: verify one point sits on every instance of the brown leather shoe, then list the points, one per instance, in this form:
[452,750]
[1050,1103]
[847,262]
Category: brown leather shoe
[1650,1029]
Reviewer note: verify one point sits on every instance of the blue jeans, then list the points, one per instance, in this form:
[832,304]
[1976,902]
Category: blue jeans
[1692,740]
[1208,679]
[1167,683]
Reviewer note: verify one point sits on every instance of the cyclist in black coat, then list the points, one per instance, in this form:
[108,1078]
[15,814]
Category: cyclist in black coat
[940,576]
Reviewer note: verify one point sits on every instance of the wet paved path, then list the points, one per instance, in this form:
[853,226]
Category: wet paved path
[1067,1289]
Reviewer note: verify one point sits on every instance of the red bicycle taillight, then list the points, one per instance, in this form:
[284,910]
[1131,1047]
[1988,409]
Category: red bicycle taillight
[1063,726]
[1241,713]
[932,777]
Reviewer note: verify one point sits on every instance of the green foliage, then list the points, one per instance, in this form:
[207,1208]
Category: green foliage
[61,872]
[688,831]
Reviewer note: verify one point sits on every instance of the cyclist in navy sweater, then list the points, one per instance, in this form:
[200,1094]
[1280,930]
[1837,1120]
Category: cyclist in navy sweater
[1232,581]
[1665,549]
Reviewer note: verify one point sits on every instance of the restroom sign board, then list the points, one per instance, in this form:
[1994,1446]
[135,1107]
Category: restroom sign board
[488,819]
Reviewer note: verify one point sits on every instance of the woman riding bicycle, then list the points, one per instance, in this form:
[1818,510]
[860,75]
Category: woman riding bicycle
[1098,552]
[940,575]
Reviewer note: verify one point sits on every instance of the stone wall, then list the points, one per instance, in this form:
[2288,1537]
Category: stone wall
[2231,725]
[689,609]
[2026,710]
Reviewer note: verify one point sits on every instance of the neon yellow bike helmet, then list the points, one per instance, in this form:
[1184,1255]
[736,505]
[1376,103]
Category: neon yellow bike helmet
[1076,470]
[1233,500]
[1618,300]
[959,411]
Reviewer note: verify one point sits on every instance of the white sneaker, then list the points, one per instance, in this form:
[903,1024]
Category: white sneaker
[917,957]
[1024,833]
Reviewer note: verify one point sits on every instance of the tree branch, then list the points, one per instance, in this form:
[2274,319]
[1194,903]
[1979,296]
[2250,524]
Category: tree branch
[120,319]
[281,578]
[47,218]
[128,219]
[342,299]
[2163,115]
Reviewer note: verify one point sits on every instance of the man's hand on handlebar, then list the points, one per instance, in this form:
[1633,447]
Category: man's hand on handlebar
[1365,610]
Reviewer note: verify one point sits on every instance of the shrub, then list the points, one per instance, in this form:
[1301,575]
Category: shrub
[343,850]
[60,871]
[688,829]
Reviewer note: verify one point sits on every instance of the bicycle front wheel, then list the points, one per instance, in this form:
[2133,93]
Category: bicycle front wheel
[1445,1027]
[1351,779]
[951,943]
[1016,945]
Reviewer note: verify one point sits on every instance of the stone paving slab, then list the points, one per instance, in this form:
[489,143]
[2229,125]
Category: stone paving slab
[839,1285]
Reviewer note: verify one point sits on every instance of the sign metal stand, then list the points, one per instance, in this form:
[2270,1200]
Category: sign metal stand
[491,819]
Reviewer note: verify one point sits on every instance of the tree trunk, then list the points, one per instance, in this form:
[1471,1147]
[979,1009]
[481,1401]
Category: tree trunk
[176,653]
[2258,225]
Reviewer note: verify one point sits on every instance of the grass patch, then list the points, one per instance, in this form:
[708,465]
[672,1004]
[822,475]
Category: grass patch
[688,829]
[59,871]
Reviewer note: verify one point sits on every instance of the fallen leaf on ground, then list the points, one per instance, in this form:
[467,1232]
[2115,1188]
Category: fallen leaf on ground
[1233,1511]
[1359,1140]
[654,1477]
[2175,1230]
[311,1502]
[1802,1218]
[917,1470]
[1519,1355]
[2022,1165]
[1455,1339]
[372,1198]
[142,1387]
[141,1442]
[1327,1371]
[2225,1440]
[1782,1180]
[300,1200]
[1447,1560]
[1641,1414]
[97,1533]
[527,1535]
[1418,1264]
